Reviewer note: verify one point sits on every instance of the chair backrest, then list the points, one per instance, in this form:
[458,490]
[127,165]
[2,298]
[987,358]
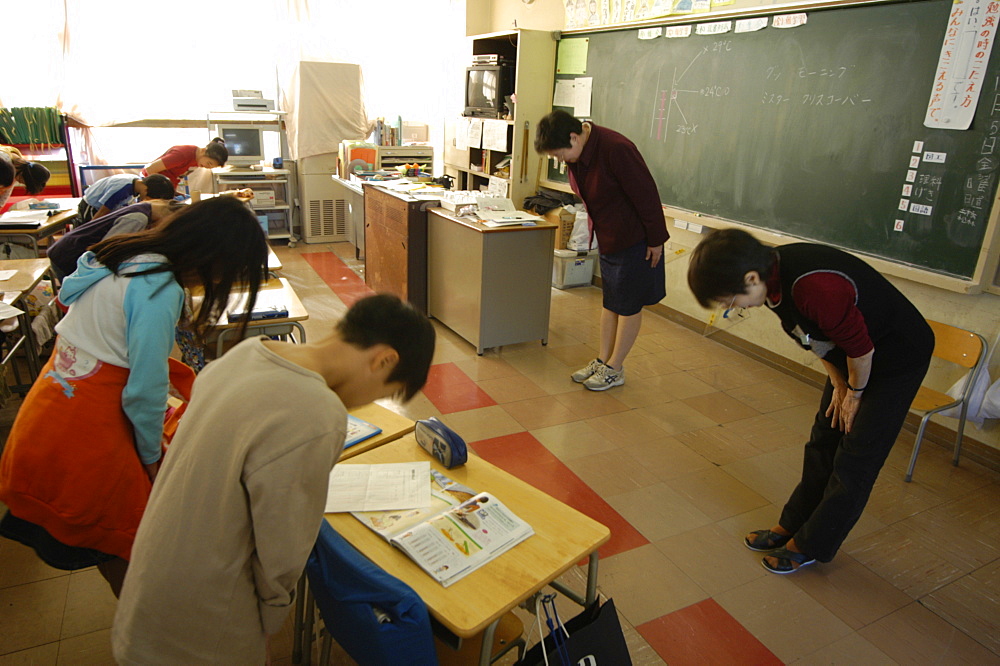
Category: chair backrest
[957,345]
[375,617]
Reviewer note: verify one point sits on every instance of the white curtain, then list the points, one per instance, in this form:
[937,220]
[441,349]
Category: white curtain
[112,61]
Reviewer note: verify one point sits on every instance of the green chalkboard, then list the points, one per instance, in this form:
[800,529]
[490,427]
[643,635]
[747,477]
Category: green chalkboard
[810,131]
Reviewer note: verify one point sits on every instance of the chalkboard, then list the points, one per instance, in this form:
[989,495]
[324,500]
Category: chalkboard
[810,131]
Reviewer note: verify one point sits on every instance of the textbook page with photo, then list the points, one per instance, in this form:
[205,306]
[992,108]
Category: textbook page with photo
[461,530]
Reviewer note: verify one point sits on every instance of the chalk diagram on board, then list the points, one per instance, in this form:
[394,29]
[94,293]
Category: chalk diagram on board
[802,89]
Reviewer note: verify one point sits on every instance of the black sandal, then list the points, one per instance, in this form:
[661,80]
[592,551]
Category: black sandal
[788,561]
[765,540]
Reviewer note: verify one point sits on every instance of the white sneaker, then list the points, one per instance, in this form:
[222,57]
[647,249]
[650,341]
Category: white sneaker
[583,374]
[605,378]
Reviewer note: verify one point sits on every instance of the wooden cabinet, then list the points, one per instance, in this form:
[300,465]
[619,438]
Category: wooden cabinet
[396,244]
[534,51]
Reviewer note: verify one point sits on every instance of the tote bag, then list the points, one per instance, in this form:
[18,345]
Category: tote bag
[592,638]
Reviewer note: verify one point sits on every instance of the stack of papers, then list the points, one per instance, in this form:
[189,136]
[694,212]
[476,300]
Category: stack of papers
[498,212]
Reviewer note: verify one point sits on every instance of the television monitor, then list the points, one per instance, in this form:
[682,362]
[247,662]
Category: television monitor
[245,144]
[486,88]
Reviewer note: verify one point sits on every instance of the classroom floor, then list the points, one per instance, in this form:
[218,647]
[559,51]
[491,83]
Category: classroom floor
[699,446]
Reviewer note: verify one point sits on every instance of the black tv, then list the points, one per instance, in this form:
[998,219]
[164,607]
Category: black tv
[486,87]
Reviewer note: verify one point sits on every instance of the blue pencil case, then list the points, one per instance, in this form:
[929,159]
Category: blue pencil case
[441,442]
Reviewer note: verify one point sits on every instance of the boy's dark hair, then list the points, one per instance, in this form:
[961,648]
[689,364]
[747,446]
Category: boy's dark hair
[385,319]
[721,261]
[6,170]
[158,186]
[554,129]
[218,240]
[33,175]
[216,149]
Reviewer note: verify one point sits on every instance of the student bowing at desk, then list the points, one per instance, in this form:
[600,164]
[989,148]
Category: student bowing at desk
[238,504]
[86,444]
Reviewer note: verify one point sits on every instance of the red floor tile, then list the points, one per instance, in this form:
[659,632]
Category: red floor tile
[704,633]
[451,390]
[526,458]
[342,280]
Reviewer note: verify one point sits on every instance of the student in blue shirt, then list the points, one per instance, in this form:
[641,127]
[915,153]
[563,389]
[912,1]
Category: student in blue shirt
[114,192]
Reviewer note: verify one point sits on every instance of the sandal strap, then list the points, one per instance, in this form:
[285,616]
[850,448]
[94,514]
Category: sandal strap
[791,555]
[768,538]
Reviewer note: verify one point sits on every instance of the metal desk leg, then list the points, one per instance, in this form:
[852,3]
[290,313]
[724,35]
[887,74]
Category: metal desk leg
[591,593]
[486,651]
[307,642]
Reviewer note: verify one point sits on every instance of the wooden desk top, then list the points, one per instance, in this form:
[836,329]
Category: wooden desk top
[393,427]
[477,225]
[273,263]
[29,273]
[563,536]
[273,292]
[47,228]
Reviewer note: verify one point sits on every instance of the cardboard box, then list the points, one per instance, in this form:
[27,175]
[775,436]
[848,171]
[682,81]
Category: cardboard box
[565,220]
[263,198]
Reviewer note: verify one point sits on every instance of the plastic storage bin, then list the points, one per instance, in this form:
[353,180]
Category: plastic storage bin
[572,269]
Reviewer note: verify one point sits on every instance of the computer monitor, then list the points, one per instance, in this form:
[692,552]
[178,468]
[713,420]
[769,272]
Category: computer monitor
[245,144]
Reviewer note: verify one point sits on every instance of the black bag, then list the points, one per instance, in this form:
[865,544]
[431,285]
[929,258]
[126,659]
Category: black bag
[595,639]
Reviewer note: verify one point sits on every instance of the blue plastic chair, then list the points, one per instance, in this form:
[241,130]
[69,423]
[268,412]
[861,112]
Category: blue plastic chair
[378,619]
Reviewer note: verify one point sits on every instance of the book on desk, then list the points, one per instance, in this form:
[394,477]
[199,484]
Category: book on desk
[458,533]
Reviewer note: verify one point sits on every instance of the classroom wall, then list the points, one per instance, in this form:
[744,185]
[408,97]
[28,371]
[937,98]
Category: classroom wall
[980,313]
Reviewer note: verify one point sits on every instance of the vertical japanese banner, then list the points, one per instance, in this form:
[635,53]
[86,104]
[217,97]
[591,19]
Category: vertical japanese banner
[961,68]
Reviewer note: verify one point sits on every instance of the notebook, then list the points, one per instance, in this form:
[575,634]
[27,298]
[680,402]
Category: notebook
[359,430]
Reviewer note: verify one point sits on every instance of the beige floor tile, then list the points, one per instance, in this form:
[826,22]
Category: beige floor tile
[915,635]
[612,473]
[510,389]
[649,365]
[569,441]
[642,392]
[588,404]
[658,511]
[720,407]
[757,519]
[624,428]
[848,651]
[789,622]
[938,531]
[666,457]
[42,655]
[726,377]
[775,395]
[32,614]
[797,419]
[764,434]
[642,595]
[972,603]
[712,558]
[21,565]
[486,367]
[483,423]
[540,412]
[980,510]
[90,604]
[850,591]
[92,649]
[893,500]
[676,417]
[766,475]
[680,385]
[903,562]
[718,444]
[535,361]
[717,494]
[574,356]
[698,355]
[556,382]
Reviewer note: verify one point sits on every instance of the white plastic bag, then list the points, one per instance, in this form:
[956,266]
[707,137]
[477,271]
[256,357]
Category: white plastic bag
[979,389]
[580,239]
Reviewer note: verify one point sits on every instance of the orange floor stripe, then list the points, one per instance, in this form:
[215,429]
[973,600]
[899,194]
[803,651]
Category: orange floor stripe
[704,633]
[451,390]
[342,280]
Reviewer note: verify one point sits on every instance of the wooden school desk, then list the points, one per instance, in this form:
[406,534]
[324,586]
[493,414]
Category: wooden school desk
[50,227]
[29,274]
[563,536]
[276,292]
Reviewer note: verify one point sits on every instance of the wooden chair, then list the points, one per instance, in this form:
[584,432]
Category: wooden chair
[963,348]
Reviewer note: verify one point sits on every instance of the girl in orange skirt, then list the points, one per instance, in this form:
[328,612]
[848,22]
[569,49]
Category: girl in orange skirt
[86,445]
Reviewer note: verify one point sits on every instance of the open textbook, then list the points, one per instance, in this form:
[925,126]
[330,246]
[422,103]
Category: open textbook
[457,534]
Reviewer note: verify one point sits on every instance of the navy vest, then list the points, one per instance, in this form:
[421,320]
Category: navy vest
[901,336]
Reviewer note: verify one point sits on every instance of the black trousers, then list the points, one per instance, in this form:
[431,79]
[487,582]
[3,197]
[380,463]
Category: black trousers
[839,470]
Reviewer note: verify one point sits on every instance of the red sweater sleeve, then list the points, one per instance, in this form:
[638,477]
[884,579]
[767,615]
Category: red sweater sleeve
[830,299]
